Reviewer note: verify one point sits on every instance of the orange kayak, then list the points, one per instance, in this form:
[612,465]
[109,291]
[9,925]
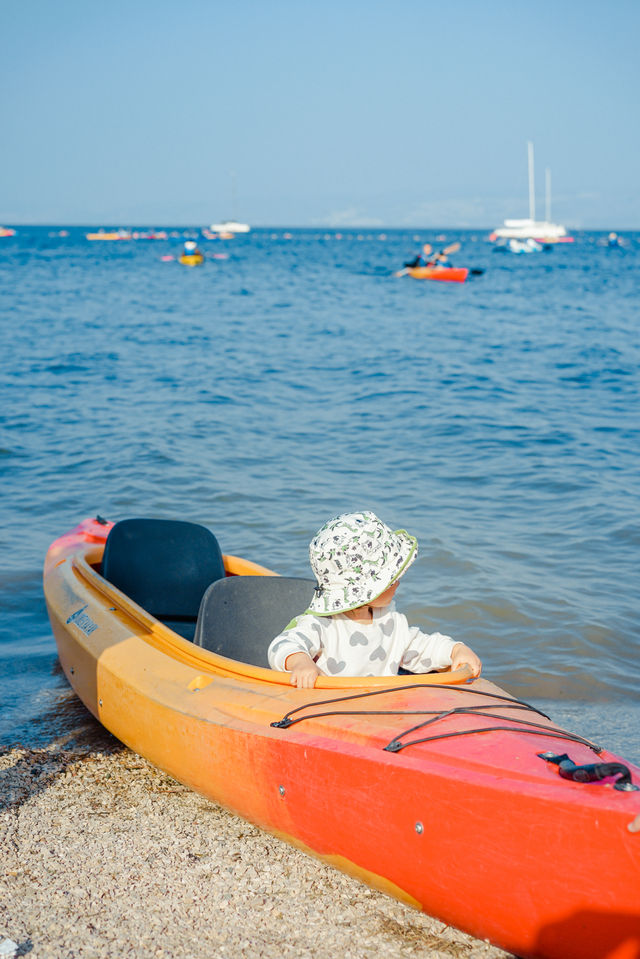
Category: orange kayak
[453,274]
[447,794]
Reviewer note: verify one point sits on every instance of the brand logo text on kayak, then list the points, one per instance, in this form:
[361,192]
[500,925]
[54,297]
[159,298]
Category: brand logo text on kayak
[83,621]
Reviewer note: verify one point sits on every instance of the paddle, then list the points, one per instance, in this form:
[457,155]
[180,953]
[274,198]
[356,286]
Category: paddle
[452,248]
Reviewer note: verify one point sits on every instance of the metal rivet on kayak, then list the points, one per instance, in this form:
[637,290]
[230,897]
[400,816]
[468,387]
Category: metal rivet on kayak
[419,828]
[281,790]
[99,702]
[72,670]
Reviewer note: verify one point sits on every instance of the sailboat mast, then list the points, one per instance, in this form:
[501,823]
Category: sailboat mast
[234,195]
[532,191]
[547,181]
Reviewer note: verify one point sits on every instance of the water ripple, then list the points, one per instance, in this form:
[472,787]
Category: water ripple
[498,420]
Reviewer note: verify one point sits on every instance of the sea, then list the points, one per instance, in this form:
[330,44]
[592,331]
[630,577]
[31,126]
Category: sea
[293,377]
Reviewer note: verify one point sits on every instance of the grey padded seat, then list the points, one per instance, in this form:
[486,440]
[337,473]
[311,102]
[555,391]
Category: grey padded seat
[240,615]
[165,566]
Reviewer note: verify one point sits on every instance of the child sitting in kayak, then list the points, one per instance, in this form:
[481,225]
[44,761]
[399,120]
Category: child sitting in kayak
[351,627]
[191,249]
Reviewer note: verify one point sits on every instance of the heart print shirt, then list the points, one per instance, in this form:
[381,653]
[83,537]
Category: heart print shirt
[342,647]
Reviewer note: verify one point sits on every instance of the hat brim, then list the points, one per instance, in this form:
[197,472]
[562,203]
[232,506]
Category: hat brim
[327,601]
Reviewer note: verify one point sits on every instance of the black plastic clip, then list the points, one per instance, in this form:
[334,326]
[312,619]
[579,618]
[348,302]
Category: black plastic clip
[593,772]
[394,746]
[282,723]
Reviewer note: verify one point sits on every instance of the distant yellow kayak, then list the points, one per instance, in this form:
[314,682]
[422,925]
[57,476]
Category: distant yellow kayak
[192,259]
[109,235]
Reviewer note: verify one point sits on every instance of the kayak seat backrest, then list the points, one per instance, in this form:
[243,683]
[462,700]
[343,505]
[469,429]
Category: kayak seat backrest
[165,566]
[240,615]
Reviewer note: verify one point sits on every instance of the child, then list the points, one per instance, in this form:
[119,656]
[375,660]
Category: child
[351,627]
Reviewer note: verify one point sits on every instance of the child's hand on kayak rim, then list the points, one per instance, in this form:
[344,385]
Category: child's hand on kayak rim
[461,655]
[304,671]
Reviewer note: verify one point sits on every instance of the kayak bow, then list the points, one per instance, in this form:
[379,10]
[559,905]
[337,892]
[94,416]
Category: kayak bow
[448,795]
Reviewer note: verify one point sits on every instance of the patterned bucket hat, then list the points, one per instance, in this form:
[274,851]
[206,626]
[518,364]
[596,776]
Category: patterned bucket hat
[355,557]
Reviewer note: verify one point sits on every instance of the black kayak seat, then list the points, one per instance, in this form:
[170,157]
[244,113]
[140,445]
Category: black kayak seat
[240,615]
[165,566]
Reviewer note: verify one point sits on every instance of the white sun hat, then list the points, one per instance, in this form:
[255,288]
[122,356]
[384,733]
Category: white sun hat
[355,557]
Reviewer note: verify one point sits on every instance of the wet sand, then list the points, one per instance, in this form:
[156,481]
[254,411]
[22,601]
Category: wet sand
[105,856]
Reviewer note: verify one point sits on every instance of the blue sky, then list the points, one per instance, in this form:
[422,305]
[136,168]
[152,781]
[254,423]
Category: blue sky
[408,114]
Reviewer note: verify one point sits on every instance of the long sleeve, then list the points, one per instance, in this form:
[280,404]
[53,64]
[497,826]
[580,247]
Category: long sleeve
[425,651]
[301,636]
[342,647]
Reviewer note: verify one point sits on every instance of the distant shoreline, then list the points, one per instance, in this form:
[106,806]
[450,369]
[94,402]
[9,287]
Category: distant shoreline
[261,228]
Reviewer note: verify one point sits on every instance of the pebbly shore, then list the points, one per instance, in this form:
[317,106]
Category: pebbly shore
[105,856]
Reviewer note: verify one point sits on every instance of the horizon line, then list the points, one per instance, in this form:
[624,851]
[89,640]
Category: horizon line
[315,227]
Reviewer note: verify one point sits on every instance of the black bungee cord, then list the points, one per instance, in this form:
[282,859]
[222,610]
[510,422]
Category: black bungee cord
[395,745]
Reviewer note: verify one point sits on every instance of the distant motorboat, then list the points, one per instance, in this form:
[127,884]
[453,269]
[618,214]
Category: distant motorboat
[530,228]
[7,231]
[230,226]
[524,246]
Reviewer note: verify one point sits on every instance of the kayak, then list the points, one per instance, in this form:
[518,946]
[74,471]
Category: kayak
[455,274]
[109,235]
[192,259]
[447,793]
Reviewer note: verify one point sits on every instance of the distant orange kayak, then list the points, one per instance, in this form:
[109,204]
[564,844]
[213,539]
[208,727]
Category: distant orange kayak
[455,274]
[449,795]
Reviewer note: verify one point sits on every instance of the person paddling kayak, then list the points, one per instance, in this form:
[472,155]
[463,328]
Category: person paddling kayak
[430,258]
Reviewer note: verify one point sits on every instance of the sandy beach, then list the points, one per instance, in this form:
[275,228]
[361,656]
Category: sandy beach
[103,855]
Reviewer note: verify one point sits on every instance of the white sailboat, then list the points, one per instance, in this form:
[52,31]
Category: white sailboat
[231,226]
[531,228]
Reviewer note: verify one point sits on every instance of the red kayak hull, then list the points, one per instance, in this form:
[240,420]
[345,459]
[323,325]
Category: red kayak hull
[455,274]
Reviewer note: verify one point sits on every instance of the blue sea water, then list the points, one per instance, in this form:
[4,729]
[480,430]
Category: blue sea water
[498,420]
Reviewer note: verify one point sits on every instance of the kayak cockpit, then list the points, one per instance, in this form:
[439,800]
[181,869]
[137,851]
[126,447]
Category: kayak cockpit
[215,612]
[176,572]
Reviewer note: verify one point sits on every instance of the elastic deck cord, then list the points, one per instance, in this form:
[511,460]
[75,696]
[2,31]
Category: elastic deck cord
[395,745]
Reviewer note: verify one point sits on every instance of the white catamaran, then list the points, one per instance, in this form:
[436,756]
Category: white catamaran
[531,228]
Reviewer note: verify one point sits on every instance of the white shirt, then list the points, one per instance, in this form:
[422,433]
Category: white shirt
[342,647]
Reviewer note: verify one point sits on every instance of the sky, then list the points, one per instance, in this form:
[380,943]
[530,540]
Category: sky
[389,113]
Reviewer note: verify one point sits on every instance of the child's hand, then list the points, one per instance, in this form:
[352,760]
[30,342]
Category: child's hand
[304,671]
[461,655]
